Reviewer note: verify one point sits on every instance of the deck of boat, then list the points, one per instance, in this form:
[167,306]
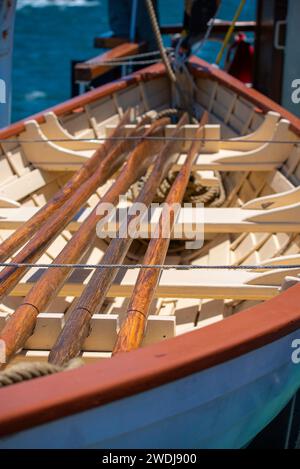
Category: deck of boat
[252,152]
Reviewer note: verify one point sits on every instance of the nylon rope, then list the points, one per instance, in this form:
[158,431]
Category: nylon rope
[156,30]
[25,371]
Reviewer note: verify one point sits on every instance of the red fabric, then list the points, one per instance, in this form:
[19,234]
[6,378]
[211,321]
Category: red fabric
[242,63]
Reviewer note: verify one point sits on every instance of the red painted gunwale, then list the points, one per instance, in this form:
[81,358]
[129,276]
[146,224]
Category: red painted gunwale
[201,68]
[43,400]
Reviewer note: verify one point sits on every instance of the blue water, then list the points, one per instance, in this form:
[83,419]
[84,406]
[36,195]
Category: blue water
[50,33]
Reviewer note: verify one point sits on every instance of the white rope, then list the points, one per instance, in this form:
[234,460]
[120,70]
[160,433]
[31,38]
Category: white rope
[148,266]
[25,371]
[159,40]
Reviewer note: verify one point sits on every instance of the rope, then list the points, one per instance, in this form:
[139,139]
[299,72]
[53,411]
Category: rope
[205,197]
[171,112]
[154,138]
[195,193]
[128,62]
[230,31]
[156,30]
[18,265]
[201,44]
[26,371]
[134,59]
[141,55]
[174,112]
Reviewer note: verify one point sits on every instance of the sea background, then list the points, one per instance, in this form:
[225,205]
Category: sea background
[51,33]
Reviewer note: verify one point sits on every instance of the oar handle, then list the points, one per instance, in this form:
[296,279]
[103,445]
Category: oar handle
[132,330]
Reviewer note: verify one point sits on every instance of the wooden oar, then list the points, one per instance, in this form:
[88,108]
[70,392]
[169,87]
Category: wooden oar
[24,232]
[132,330]
[21,324]
[77,327]
[10,276]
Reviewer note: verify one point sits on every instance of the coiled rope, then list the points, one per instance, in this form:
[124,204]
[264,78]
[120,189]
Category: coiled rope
[195,192]
[25,371]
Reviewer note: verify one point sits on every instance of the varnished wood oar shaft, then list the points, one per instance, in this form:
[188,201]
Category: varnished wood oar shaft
[25,231]
[132,330]
[21,324]
[77,327]
[10,276]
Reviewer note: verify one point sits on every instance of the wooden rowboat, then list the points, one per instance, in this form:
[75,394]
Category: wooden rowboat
[218,359]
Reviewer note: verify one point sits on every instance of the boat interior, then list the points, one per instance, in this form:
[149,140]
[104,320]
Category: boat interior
[247,175]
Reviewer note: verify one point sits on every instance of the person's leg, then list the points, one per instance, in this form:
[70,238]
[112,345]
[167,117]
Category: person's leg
[119,12]
[201,12]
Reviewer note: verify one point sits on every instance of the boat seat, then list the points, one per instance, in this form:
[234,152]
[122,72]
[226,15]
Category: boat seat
[53,130]
[213,283]
[267,157]
[48,155]
[15,190]
[239,220]
[264,132]
[197,284]
[285,219]
[293,260]
[103,332]
[274,201]
[188,131]
[8,203]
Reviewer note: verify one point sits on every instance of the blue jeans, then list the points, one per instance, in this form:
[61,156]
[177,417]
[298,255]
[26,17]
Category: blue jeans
[120,20]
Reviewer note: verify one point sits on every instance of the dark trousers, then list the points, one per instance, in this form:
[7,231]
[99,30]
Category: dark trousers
[120,20]
[202,11]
